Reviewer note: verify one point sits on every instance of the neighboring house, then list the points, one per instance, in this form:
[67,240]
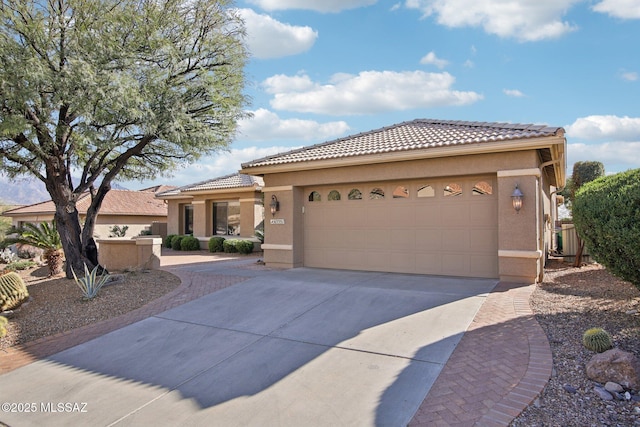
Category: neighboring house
[226,206]
[426,196]
[138,210]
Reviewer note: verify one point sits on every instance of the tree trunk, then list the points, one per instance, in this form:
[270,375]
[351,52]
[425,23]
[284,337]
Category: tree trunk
[578,261]
[68,224]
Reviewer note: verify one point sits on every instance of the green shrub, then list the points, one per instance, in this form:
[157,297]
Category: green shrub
[606,214]
[216,244]
[168,241]
[91,283]
[20,265]
[176,243]
[244,246]
[13,291]
[597,339]
[190,243]
[229,246]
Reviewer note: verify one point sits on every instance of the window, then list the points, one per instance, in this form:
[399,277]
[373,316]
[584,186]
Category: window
[226,218]
[426,191]
[452,189]
[376,194]
[400,192]
[188,219]
[482,188]
[355,194]
[314,196]
[334,195]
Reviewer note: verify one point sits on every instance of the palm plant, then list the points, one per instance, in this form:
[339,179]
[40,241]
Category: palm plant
[45,237]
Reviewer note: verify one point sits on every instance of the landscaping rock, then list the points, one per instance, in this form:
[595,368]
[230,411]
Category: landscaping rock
[602,393]
[613,387]
[617,366]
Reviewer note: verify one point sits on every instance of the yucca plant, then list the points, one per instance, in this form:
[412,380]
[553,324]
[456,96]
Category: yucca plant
[91,283]
[46,237]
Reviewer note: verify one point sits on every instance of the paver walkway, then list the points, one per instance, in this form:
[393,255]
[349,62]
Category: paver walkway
[498,368]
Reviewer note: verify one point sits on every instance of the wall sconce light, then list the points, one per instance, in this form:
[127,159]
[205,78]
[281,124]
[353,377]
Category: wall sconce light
[516,199]
[274,205]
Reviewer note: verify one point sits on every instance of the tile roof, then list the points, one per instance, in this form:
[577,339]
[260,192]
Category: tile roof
[116,202]
[236,180]
[406,136]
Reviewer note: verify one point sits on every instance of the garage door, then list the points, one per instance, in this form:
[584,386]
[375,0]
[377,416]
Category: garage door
[443,227]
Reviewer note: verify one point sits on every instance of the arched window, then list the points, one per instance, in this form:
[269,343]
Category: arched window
[452,189]
[355,194]
[482,188]
[376,194]
[314,196]
[334,195]
[426,191]
[400,192]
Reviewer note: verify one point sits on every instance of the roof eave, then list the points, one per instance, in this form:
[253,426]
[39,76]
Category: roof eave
[426,153]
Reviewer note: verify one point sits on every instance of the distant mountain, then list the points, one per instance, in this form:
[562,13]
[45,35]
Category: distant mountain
[27,191]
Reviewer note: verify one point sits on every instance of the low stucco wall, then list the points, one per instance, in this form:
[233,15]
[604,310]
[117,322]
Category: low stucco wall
[123,254]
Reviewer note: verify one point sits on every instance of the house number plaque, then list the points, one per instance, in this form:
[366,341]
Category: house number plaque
[277,221]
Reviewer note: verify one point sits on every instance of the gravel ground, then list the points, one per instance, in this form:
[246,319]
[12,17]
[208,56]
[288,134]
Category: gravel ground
[56,304]
[567,303]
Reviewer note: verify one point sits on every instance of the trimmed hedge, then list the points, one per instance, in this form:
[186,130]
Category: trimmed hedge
[216,244]
[606,213]
[238,246]
[229,246]
[168,240]
[190,243]
[176,243]
[245,246]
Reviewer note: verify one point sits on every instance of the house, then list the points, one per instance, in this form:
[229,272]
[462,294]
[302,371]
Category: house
[226,206]
[424,196]
[138,210]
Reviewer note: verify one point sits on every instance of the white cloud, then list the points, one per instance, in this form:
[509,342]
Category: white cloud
[269,38]
[605,127]
[316,5]
[616,156]
[431,58]
[266,125]
[525,20]
[366,93]
[630,76]
[625,9]
[513,92]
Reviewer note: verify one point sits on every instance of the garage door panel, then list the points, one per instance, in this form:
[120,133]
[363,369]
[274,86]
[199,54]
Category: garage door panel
[453,264]
[456,240]
[425,235]
[402,240]
[428,240]
[455,213]
[429,215]
[483,240]
[483,214]
[428,263]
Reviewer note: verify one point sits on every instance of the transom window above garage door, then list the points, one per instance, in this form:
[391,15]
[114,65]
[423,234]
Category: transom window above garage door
[412,189]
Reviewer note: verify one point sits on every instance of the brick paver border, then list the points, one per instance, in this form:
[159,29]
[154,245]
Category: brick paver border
[500,365]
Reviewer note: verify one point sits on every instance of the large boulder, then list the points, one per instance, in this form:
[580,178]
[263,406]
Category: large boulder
[615,365]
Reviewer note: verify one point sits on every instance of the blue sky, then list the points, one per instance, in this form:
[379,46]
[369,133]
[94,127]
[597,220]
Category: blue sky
[325,69]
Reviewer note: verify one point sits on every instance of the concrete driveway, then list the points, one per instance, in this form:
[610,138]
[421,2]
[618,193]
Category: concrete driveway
[282,348]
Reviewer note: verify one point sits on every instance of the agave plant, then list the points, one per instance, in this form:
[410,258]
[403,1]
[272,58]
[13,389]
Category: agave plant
[91,283]
[46,237]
